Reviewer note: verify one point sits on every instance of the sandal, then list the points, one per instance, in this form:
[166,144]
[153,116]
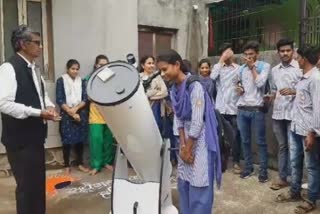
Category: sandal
[288,197]
[279,184]
[305,207]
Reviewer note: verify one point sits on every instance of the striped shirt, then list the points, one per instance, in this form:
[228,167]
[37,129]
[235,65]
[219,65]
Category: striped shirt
[253,89]
[226,77]
[197,173]
[307,104]
[284,77]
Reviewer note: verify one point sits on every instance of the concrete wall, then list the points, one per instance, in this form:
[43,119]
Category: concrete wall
[192,25]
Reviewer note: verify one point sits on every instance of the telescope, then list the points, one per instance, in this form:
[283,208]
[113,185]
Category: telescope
[120,96]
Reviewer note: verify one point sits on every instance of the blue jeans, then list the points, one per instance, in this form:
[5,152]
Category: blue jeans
[247,120]
[281,129]
[312,161]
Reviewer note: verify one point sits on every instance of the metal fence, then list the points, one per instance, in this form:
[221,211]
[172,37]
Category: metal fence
[238,21]
[313,30]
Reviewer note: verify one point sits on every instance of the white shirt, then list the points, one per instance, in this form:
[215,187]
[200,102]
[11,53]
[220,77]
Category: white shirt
[8,90]
[253,88]
[284,77]
[226,77]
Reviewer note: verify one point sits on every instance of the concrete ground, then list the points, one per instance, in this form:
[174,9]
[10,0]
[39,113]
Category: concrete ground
[91,194]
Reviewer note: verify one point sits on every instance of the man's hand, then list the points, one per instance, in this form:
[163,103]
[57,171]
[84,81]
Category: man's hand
[239,90]
[53,111]
[287,91]
[250,62]
[227,54]
[186,152]
[47,115]
[309,141]
[269,98]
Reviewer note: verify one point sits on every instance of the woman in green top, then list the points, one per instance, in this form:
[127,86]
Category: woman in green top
[102,150]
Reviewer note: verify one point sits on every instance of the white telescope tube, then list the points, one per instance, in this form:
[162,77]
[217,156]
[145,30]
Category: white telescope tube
[117,90]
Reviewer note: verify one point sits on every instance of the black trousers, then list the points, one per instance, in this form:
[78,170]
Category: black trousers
[28,168]
[78,149]
[236,145]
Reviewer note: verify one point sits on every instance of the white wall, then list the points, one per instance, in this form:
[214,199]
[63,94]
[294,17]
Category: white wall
[84,29]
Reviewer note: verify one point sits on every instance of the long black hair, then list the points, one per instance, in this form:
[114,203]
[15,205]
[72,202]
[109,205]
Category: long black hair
[172,57]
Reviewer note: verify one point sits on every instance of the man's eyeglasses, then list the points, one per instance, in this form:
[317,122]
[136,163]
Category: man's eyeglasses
[37,42]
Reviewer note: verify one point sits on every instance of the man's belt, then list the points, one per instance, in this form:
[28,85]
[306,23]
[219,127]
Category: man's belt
[251,108]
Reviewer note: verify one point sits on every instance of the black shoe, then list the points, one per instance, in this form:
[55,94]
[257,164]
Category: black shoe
[246,174]
[263,178]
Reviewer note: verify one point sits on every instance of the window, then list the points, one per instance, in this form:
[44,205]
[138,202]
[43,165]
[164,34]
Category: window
[312,23]
[36,14]
[155,40]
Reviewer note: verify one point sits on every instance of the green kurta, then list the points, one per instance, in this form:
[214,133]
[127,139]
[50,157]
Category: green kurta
[102,148]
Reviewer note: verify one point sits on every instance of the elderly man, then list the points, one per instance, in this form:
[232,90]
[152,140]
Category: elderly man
[25,108]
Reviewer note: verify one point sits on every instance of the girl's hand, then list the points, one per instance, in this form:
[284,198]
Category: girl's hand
[73,110]
[76,117]
[186,152]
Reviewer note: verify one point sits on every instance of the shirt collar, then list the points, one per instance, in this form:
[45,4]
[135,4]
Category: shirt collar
[30,65]
[309,73]
[293,64]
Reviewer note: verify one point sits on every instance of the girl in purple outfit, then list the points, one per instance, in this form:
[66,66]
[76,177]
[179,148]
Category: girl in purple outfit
[199,156]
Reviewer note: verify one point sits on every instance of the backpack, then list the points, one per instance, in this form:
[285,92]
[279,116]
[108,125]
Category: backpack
[266,89]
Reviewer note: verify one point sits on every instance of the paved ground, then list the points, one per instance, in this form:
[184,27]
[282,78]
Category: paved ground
[91,194]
